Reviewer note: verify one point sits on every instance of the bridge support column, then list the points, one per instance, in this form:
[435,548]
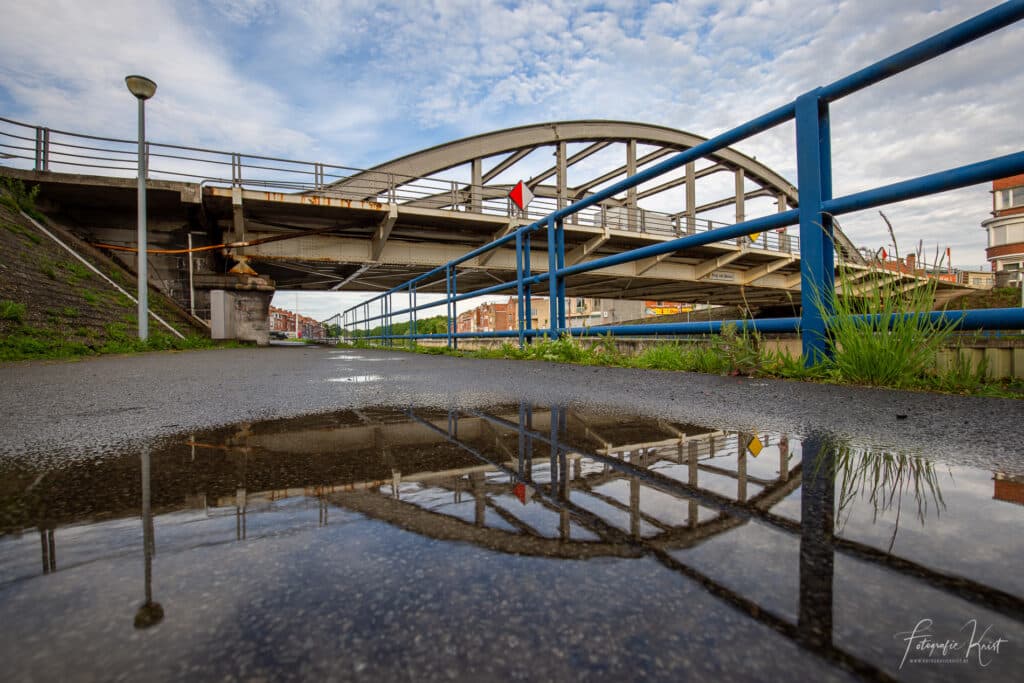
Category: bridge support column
[240,307]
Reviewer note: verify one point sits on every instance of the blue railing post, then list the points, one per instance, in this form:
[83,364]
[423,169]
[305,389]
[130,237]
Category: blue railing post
[528,289]
[412,313]
[455,309]
[552,279]
[448,303]
[390,320]
[560,243]
[519,286]
[817,262]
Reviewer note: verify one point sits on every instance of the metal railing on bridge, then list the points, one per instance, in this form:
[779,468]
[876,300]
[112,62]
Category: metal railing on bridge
[815,216]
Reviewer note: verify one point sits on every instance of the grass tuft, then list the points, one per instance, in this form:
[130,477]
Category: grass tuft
[12,310]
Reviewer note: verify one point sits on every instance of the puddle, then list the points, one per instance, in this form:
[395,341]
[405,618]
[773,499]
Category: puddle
[520,541]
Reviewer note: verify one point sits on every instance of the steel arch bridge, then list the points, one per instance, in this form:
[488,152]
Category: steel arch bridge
[479,171]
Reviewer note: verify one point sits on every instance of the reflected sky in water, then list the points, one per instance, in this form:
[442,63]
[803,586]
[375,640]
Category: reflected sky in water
[519,542]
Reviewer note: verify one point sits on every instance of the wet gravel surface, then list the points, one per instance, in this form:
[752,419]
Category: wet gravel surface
[108,403]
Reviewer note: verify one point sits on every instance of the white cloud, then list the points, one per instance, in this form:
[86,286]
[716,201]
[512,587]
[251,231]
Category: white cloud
[357,82]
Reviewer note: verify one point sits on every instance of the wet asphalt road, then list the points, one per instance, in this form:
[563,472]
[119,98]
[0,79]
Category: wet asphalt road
[108,403]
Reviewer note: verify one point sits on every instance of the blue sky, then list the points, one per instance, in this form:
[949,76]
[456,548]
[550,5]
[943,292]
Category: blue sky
[357,83]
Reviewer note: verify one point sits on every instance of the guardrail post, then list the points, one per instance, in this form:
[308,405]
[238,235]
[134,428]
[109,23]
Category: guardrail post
[817,264]
[42,149]
[39,149]
[552,279]
[147,161]
[236,169]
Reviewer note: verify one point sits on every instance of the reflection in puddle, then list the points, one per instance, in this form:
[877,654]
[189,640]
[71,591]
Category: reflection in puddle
[359,379]
[813,554]
[364,359]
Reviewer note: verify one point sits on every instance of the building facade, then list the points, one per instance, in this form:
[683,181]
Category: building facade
[1006,230]
[579,312]
[283,321]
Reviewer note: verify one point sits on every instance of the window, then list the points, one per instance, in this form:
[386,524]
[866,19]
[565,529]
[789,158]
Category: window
[1010,198]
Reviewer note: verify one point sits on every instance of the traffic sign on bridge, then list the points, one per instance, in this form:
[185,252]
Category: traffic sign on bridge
[521,195]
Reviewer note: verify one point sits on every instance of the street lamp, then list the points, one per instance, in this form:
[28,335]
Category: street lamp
[143,89]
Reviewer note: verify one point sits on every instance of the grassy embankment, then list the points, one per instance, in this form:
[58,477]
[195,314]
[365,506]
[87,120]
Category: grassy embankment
[52,306]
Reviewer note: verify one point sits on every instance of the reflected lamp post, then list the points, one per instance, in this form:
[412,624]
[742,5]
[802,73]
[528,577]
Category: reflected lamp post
[143,88]
[149,613]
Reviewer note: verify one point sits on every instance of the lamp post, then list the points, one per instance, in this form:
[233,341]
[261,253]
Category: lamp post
[143,89]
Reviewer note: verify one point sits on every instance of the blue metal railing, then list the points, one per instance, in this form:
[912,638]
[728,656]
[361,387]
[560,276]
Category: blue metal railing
[814,216]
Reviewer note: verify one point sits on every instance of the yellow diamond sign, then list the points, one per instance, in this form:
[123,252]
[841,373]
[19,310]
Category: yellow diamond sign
[753,236]
[755,446]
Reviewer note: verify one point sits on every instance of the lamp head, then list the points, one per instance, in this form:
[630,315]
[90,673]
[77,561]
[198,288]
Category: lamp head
[140,86]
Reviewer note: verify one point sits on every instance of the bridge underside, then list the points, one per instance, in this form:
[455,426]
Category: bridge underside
[336,244]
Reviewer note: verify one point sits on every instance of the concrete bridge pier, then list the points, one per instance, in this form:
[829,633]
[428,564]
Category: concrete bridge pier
[239,306]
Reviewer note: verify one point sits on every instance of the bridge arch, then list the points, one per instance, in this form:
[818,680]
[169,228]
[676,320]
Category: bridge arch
[492,155]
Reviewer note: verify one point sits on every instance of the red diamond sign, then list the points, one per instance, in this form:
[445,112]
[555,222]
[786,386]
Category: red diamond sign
[521,195]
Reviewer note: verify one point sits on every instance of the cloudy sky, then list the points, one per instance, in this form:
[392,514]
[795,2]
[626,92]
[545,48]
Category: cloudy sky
[357,83]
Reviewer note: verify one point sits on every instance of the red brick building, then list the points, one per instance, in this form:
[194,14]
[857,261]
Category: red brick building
[282,320]
[1006,230]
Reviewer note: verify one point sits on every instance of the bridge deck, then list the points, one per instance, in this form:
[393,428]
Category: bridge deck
[325,242]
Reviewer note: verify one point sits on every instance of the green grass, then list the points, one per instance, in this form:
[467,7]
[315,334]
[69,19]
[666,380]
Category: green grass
[48,268]
[29,343]
[74,271]
[12,310]
[732,352]
[24,232]
[881,335]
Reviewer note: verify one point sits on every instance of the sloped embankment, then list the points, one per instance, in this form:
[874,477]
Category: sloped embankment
[53,306]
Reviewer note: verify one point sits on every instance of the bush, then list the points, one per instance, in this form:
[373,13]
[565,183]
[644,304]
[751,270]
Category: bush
[19,198]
